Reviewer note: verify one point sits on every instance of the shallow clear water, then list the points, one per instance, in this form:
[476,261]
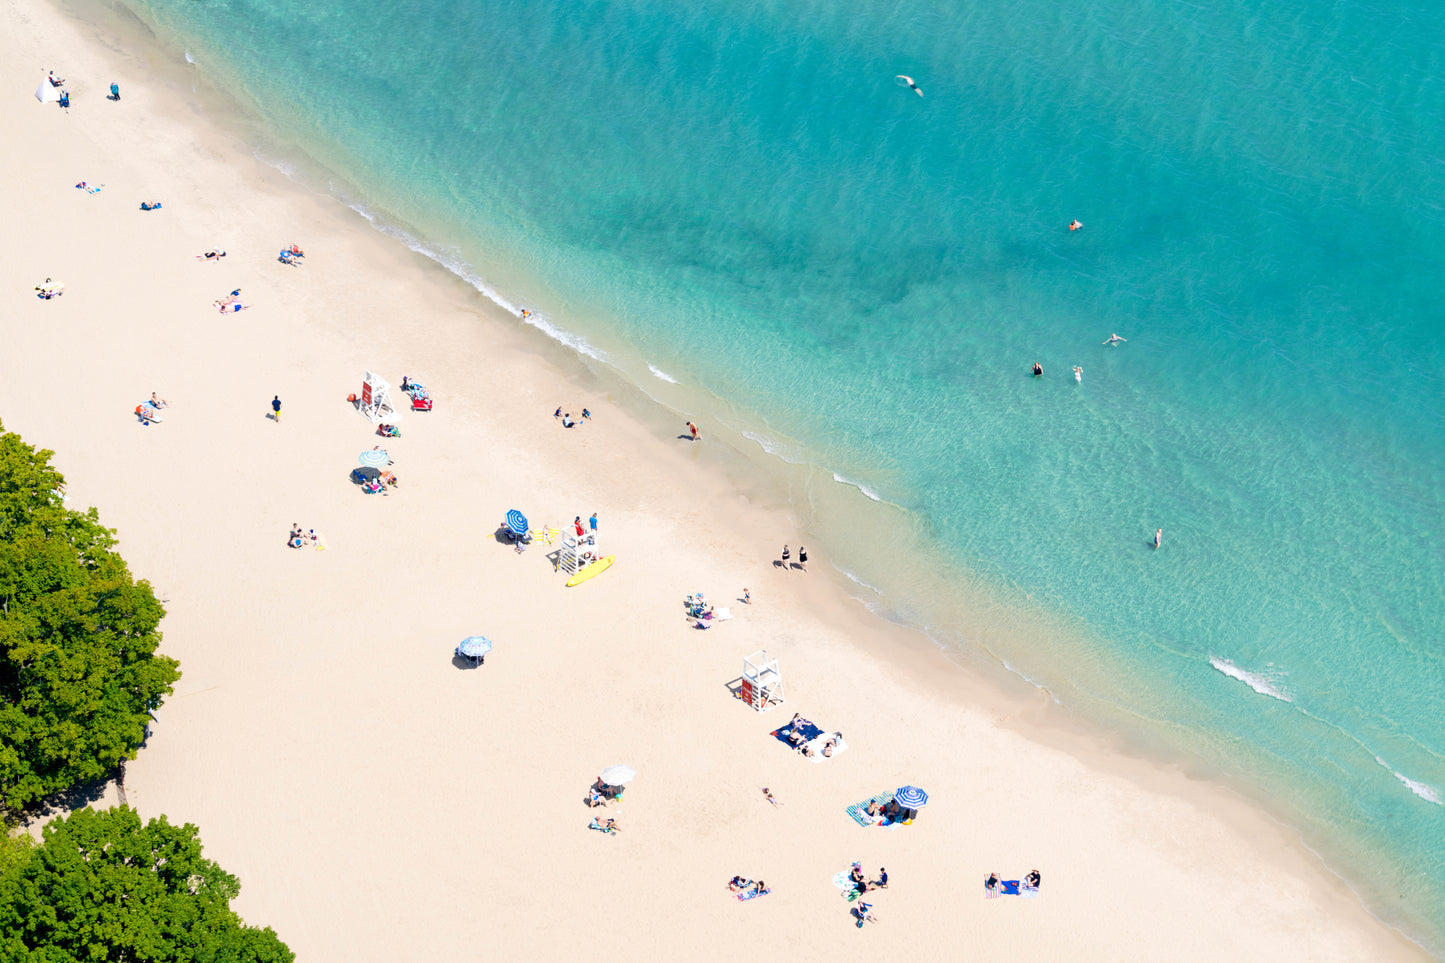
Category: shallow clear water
[747,202]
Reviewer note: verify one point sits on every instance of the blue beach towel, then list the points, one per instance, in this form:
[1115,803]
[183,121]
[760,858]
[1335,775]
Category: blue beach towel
[857,810]
[809,731]
[1010,887]
[752,894]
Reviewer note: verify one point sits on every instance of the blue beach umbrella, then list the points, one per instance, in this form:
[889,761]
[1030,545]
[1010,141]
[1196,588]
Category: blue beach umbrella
[911,796]
[517,522]
[475,647]
[375,458]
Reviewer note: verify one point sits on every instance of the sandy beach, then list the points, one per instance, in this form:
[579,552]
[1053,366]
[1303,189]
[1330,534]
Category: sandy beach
[380,803]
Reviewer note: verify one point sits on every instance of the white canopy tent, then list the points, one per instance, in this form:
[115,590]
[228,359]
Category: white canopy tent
[47,93]
[375,400]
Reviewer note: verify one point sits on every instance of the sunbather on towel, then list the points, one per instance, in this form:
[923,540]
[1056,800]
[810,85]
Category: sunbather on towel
[990,885]
[1033,879]
[610,826]
[832,743]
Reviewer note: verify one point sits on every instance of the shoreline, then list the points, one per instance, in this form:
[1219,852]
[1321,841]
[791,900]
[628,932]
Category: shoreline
[917,674]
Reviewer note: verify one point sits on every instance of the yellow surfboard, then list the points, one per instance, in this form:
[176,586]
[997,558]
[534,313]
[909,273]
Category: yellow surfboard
[597,567]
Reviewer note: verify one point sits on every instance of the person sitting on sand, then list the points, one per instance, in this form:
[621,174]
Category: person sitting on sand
[295,539]
[55,81]
[991,884]
[295,251]
[856,875]
[144,414]
[567,421]
[797,740]
[768,794]
[873,810]
[150,205]
[863,913]
[882,881]
[158,402]
[737,884]
[1033,879]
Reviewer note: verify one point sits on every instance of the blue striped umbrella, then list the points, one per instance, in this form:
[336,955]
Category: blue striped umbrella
[517,522]
[911,796]
[475,647]
[376,458]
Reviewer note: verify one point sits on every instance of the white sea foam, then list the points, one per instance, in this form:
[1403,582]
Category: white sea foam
[662,375]
[1428,793]
[773,447]
[455,264]
[858,581]
[1256,682]
[1032,681]
[858,485]
[189,58]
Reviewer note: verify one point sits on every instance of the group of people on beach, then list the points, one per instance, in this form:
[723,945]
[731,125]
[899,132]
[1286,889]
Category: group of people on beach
[787,562]
[297,538]
[993,886]
[568,421]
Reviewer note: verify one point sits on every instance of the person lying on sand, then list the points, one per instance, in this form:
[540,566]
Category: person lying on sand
[609,826]
[211,255]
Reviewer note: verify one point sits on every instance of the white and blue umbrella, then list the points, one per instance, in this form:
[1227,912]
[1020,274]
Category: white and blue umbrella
[618,775]
[475,647]
[376,458]
[911,796]
[517,522]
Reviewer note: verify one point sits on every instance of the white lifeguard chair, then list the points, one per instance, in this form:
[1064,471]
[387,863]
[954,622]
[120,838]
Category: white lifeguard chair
[762,682]
[375,401]
[577,552]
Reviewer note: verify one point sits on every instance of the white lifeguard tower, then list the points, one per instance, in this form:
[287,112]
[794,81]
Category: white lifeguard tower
[762,682]
[577,552]
[375,401]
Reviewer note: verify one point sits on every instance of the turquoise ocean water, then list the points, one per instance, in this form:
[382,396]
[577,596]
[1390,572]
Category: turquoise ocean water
[738,207]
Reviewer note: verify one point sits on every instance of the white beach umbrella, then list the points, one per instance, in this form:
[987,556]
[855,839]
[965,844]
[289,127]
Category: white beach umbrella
[618,775]
[47,93]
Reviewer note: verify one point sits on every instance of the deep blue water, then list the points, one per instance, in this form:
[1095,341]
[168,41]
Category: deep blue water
[742,197]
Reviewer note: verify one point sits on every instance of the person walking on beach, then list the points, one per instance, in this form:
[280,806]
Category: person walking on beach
[693,428]
[276,409]
[747,597]
[787,556]
[802,558]
[1158,536]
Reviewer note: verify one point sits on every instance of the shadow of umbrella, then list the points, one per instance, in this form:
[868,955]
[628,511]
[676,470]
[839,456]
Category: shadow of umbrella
[360,476]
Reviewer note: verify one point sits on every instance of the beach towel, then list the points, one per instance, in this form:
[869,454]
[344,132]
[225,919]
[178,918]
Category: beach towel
[858,811]
[816,745]
[752,894]
[1010,887]
[809,731]
[1028,892]
[89,188]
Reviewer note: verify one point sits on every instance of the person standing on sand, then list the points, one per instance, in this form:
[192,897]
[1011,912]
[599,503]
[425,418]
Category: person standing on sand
[592,526]
[802,558]
[276,409]
[693,428]
[1158,536]
[747,597]
[787,556]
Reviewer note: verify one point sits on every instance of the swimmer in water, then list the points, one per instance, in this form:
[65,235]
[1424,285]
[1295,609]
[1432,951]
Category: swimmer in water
[1158,536]
[1115,339]
[1038,369]
[1078,374]
[1074,225]
[909,81]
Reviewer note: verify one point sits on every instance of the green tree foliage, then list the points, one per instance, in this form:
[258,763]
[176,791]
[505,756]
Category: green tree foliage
[78,670]
[104,887]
